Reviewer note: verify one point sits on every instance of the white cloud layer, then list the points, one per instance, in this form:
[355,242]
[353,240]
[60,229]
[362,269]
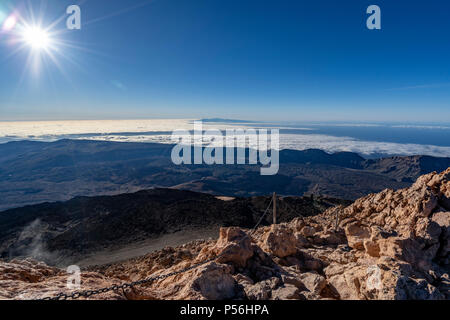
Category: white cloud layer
[158,131]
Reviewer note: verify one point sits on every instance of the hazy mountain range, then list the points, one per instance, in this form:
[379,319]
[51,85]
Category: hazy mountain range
[35,172]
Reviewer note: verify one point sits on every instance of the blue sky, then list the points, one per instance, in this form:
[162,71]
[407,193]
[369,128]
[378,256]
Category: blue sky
[244,59]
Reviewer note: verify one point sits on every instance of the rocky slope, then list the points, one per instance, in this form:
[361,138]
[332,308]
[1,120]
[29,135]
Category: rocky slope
[390,245]
[63,233]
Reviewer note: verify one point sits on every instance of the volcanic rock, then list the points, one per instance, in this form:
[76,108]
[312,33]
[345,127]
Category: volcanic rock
[390,245]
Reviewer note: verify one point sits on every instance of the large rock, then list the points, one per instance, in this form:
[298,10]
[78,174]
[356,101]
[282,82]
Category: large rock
[29,280]
[263,289]
[356,234]
[314,282]
[287,292]
[213,282]
[233,246]
[279,241]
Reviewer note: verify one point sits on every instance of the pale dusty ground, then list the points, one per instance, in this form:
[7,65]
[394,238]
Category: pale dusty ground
[146,246]
[223,198]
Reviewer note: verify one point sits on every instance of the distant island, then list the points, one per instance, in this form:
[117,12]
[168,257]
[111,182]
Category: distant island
[228,120]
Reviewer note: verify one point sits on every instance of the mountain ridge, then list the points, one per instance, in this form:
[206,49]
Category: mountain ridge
[35,172]
[70,230]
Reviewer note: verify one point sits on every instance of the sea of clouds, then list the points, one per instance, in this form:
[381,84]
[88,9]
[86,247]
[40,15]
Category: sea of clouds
[159,131]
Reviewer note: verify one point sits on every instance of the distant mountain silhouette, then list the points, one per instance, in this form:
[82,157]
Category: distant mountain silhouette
[35,172]
[227,120]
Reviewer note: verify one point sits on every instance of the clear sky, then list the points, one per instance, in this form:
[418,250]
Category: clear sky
[244,59]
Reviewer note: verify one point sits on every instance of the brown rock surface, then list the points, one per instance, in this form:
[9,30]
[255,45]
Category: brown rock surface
[390,245]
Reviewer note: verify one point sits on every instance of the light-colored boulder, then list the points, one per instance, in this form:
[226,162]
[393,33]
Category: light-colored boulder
[356,234]
[314,282]
[280,241]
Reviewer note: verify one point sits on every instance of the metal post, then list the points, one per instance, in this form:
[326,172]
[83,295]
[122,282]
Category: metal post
[337,219]
[274,200]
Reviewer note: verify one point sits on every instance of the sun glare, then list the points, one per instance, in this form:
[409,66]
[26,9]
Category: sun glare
[9,23]
[37,38]
[41,42]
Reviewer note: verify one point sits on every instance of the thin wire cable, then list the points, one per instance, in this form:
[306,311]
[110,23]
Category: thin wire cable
[88,293]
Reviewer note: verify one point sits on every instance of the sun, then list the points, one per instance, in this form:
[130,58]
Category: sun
[36,38]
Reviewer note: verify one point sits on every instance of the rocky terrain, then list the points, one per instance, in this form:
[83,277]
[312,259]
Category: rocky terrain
[390,245]
[35,172]
[64,233]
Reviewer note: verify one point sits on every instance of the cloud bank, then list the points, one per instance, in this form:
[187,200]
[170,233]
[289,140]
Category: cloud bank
[159,131]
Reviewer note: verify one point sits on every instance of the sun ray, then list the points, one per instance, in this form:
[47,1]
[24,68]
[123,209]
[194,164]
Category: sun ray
[120,12]
[47,43]
[41,43]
